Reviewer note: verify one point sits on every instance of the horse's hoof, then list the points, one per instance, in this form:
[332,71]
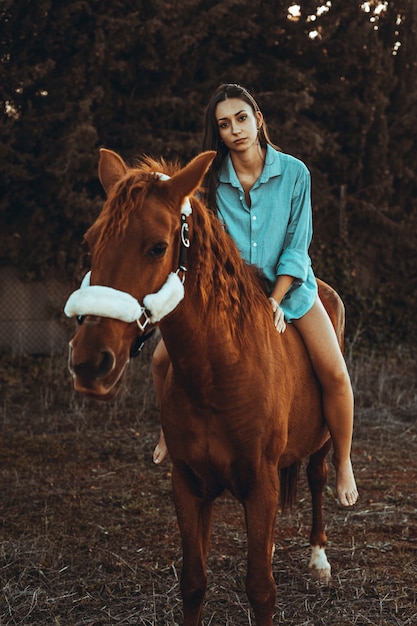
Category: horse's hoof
[323,576]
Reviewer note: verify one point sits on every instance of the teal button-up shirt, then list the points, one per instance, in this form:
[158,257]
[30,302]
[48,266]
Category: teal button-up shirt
[275,232]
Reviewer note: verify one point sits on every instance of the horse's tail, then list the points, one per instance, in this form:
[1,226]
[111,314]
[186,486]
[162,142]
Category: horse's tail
[288,479]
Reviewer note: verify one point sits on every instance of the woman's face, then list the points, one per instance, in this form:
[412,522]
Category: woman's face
[238,124]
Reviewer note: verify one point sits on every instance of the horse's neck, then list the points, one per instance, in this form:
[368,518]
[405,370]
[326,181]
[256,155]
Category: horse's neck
[201,355]
[191,332]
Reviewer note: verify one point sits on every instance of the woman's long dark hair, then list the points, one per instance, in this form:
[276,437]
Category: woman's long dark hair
[211,136]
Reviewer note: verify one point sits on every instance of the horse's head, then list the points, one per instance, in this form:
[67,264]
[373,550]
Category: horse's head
[135,247]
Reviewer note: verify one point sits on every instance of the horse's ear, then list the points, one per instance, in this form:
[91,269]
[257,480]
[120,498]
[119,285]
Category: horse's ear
[190,177]
[111,168]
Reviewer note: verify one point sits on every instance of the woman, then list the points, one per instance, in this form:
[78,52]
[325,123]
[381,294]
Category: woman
[263,197]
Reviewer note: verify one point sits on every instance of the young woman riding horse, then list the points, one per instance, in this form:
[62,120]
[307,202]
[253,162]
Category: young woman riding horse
[241,405]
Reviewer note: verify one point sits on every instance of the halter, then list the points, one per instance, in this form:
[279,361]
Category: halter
[102,301]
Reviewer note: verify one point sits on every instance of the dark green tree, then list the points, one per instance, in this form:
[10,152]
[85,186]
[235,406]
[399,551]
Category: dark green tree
[49,138]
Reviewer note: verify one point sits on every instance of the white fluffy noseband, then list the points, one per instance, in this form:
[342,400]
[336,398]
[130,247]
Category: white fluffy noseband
[108,302]
[165,300]
[104,302]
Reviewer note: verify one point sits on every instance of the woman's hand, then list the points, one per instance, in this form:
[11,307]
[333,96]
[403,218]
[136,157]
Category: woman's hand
[279,320]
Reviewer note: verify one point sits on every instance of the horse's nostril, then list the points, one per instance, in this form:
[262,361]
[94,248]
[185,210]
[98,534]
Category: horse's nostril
[87,368]
[107,363]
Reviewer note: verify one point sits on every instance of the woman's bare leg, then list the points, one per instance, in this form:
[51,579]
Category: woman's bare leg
[320,340]
[160,365]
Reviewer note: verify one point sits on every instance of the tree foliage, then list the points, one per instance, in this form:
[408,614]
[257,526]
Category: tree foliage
[337,82]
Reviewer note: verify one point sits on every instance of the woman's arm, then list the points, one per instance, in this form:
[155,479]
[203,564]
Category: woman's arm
[282,284]
[294,260]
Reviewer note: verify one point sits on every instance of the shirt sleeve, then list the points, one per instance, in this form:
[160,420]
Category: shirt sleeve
[294,260]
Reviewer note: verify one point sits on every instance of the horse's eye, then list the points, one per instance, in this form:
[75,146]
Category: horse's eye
[158,250]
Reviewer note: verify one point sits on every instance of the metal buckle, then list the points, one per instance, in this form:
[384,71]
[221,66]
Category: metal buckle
[184,234]
[147,321]
[181,270]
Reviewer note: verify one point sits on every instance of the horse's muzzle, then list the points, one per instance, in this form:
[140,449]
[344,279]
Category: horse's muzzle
[98,376]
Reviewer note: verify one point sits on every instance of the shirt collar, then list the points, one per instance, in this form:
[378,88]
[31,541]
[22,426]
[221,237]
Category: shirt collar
[271,168]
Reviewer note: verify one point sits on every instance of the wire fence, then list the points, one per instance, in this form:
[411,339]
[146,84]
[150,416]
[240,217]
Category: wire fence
[31,315]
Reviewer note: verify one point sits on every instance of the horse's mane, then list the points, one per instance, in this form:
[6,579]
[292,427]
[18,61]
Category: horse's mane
[226,284]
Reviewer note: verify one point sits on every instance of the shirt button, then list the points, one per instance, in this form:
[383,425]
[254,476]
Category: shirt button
[254,217]
[254,244]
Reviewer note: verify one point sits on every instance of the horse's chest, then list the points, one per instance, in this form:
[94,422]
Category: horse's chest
[216,457]
[208,476]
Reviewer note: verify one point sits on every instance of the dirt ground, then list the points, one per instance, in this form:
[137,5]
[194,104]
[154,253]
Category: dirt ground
[88,529]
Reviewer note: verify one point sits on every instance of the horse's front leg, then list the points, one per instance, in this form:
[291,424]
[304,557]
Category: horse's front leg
[194,519]
[317,476]
[260,512]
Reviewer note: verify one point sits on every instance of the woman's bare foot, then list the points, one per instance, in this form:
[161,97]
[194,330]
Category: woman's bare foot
[161,450]
[345,483]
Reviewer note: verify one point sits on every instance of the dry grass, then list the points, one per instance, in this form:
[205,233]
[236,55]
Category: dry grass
[88,530]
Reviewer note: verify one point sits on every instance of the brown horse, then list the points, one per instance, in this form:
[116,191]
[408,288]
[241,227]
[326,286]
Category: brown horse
[241,404]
